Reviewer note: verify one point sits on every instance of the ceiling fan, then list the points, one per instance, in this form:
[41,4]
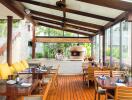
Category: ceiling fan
[62,5]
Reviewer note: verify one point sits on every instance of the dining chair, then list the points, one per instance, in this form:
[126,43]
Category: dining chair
[43,95]
[53,73]
[117,73]
[90,75]
[99,73]
[85,70]
[98,90]
[123,93]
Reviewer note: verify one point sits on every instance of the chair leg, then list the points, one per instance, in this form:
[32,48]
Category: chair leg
[105,96]
[95,95]
[98,96]
[88,83]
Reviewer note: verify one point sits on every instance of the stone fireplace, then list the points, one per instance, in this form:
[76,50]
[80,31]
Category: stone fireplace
[77,52]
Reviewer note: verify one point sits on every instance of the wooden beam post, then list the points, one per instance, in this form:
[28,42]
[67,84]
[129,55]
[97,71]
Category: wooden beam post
[103,43]
[33,42]
[92,46]
[9,39]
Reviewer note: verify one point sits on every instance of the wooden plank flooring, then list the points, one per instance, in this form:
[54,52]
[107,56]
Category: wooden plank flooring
[71,88]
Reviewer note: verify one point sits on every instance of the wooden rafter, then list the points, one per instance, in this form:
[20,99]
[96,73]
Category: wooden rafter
[67,10]
[66,19]
[116,4]
[63,39]
[67,24]
[47,20]
[68,30]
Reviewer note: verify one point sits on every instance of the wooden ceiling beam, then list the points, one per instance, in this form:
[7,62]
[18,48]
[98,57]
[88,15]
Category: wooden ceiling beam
[68,10]
[47,20]
[67,24]
[81,28]
[115,4]
[68,30]
[63,39]
[66,19]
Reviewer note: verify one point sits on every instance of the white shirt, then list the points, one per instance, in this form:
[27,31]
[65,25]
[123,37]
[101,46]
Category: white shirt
[59,56]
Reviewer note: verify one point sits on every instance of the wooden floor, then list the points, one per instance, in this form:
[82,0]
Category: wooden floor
[71,88]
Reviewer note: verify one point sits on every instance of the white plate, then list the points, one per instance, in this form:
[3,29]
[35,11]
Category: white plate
[43,70]
[11,82]
[26,84]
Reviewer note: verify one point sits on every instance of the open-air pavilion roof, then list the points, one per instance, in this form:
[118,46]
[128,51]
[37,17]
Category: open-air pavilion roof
[85,17]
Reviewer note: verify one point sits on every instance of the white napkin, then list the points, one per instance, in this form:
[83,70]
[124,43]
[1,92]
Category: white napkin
[120,84]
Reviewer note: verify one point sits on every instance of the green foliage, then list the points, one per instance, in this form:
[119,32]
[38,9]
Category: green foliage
[39,55]
[116,52]
[88,48]
[50,49]
[108,52]
[3,26]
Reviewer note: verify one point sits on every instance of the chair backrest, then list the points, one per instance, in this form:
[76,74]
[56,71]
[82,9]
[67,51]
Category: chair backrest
[96,68]
[117,73]
[105,68]
[90,73]
[99,73]
[47,89]
[123,93]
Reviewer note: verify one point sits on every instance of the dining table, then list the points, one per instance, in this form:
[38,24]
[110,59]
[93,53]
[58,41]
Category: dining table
[17,90]
[37,73]
[112,82]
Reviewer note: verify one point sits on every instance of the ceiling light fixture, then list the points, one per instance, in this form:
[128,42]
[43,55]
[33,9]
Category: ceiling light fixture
[27,11]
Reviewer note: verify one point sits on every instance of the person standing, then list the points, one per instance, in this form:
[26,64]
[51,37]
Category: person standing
[59,55]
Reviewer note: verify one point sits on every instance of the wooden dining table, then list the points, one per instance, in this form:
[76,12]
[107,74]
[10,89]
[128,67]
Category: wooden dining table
[15,91]
[110,82]
[36,73]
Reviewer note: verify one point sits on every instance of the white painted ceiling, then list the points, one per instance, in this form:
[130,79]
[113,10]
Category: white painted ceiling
[80,6]
[6,12]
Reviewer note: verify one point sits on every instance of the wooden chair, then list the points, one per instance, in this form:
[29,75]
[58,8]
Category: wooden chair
[96,68]
[54,73]
[123,93]
[90,75]
[85,71]
[42,96]
[99,90]
[117,73]
[105,68]
[99,73]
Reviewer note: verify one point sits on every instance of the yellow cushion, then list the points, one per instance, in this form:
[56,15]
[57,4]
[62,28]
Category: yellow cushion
[12,69]
[24,62]
[21,66]
[17,67]
[4,71]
